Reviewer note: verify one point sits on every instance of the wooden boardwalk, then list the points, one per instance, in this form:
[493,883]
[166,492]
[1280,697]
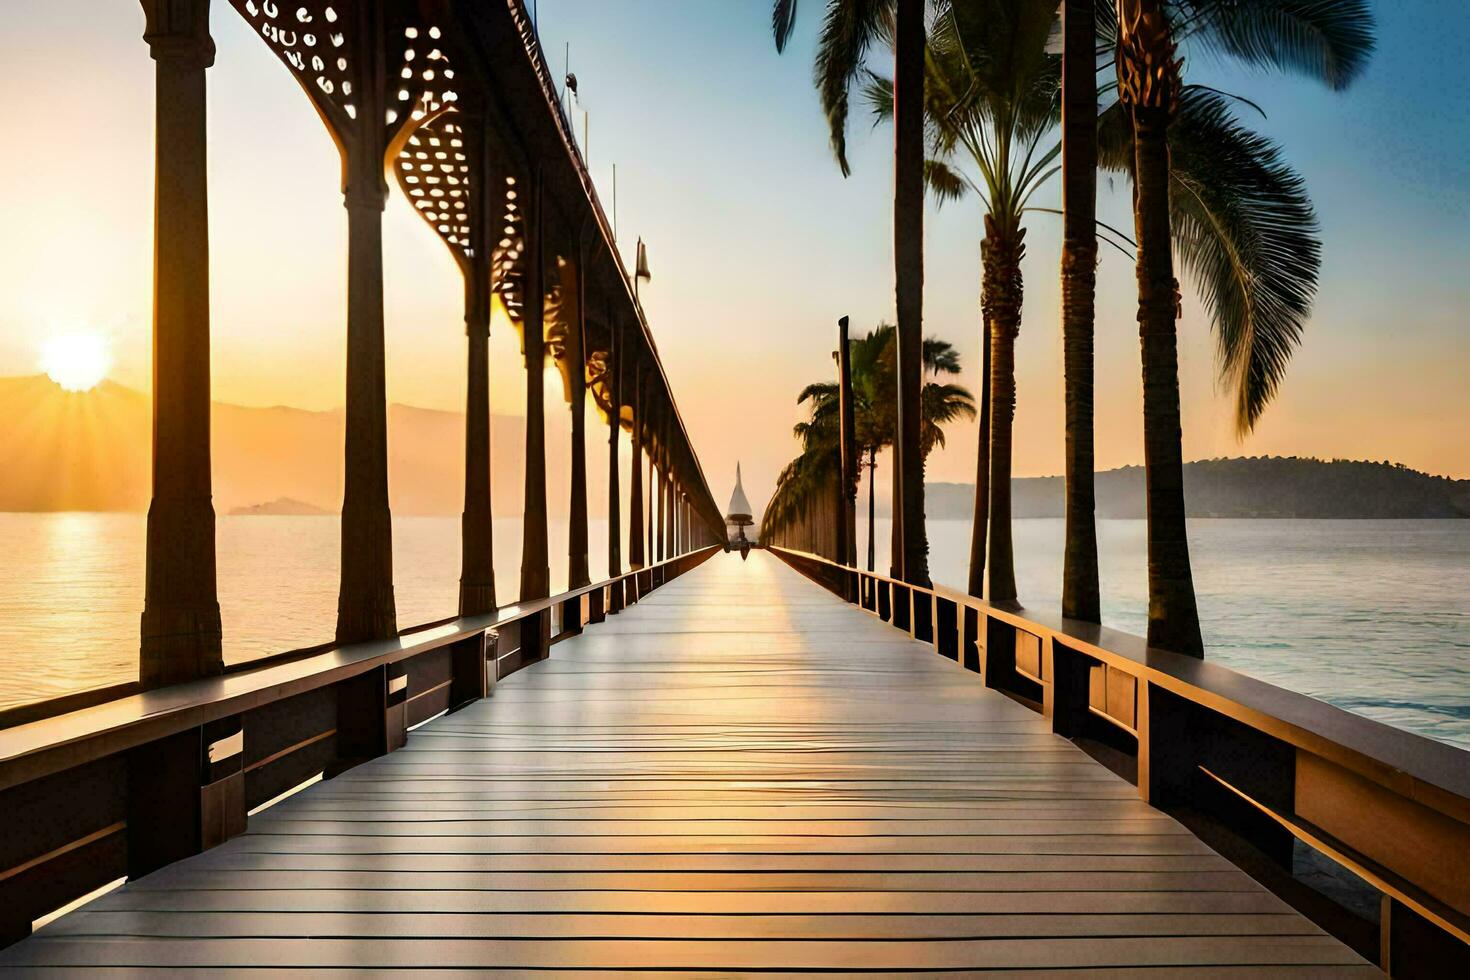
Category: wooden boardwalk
[739,774]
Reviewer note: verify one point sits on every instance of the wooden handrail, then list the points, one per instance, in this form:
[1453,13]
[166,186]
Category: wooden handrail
[1429,771]
[39,748]
[1391,805]
[169,772]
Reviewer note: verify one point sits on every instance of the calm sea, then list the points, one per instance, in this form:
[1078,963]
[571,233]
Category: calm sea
[1373,616]
[1369,615]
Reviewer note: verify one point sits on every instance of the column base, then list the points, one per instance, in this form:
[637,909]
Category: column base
[535,583]
[367,616]
[476,599]
[179,644]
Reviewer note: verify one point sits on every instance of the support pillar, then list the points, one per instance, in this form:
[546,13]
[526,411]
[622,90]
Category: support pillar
[578,574]
[635,472]
[477,567]
[535,565]
[615,423]
[668,487]
[365,604]
[180,629]
[651,522]
[662,476]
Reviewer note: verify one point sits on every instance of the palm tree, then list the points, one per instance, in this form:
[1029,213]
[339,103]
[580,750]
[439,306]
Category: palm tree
[1259,324]
[1080,588]
[810,476]
[849,29]
[991,96]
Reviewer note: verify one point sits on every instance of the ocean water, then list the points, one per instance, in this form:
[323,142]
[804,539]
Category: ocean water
[71,588]
[1372,616]
[1369,615]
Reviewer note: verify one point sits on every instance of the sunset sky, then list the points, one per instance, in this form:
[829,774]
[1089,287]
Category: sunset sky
[756,242]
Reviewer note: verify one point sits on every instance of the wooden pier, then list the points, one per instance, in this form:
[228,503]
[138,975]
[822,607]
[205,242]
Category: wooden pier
[697,765]
[739,773]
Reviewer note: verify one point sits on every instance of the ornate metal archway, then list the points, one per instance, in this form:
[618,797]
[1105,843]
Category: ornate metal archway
[455,99]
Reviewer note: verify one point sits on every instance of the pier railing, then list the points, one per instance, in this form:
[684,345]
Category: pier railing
[1257,771]
[119,789]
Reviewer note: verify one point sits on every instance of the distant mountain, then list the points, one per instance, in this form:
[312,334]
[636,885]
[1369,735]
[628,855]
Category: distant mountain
[1259,486]
[281,507]
[92,450]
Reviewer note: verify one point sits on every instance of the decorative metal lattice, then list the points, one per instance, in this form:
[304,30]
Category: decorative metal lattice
[433,168]
[325,45]
[425,79]
[507,257]
[313,40]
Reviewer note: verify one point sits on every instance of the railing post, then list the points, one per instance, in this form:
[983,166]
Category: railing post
[180,629]
[371,715]
[535,564]
[578,574]
[186,794]
[1066,698]
[470,666]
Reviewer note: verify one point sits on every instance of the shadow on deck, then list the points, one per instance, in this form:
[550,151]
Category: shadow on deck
[741,773]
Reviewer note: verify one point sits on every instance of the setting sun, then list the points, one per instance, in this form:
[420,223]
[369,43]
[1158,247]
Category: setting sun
[76,361]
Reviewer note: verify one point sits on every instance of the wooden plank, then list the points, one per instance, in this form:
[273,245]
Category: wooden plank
[762,955]
[515,925]
[707,903]
[739,773]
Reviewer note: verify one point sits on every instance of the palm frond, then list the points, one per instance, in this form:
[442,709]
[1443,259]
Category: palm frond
[783,22]
[1329,40]
[1247,234]
[944,183]
[817,391]
[940,356]
[848,31]
[1115,139]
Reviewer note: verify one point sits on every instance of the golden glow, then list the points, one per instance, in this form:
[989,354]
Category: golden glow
[76,361]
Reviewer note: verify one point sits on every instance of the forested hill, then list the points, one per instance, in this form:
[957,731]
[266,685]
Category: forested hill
[1262,486]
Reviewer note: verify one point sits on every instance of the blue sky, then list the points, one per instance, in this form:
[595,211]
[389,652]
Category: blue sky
[758,243]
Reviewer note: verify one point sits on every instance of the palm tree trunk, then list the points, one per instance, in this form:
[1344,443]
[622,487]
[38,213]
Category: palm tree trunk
[872,468]
[1001,252]
[908,251]
[1148,78]
[895,547]
[1080,592]
[980,518]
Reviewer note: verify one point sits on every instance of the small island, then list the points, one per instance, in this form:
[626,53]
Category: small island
[281,507]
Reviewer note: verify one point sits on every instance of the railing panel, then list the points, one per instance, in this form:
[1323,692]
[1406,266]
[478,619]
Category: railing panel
[288,742]
[52,850]
[947,628]
[974,640]
[1422,845]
